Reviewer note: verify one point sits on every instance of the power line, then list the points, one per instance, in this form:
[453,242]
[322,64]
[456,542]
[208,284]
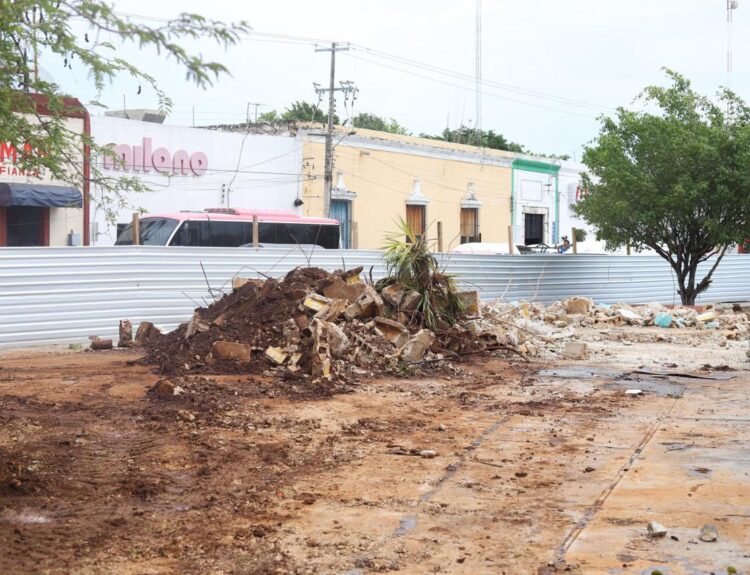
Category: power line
[469,88]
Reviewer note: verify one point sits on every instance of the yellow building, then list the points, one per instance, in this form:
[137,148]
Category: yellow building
[452,192]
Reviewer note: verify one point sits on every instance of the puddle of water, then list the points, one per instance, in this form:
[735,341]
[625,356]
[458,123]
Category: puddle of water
[580,372]
[406,524]
[660,387]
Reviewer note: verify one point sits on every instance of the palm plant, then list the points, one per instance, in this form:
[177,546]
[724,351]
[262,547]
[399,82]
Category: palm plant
[410,263]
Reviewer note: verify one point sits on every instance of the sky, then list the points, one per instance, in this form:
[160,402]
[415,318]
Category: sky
[549,67]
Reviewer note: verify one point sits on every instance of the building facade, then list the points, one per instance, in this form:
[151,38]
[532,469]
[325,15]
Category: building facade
[35,208]
[451,192]
[191,169]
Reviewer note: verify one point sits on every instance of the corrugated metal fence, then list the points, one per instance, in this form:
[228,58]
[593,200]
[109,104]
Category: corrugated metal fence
[59,295]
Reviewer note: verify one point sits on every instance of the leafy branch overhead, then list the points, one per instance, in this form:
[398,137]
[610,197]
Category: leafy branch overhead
[31,30]
[674,177]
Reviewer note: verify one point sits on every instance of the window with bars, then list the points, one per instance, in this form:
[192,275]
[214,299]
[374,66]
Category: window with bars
[415,219]
[470,225]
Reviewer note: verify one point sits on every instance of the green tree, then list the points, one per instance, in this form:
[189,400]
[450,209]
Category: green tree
[673,176]
[475,137]
[44,27]
[306,112]
[373,122]
[269,117]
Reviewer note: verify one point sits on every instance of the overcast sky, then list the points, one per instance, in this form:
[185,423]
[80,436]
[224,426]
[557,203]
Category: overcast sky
[599,53]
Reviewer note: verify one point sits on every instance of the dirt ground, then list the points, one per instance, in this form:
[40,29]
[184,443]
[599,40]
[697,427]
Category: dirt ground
[538,468]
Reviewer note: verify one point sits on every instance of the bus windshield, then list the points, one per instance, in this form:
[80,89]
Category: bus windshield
[154,232]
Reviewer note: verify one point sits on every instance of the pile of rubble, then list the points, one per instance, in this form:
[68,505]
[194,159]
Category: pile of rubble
[584,312]
[314,324]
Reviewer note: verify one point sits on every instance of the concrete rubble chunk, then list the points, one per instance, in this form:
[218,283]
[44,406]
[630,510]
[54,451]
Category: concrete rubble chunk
[316,302]
[143,334]
[393,331]
[417,346]
[578,305]
[291,332]
[196,325]
[276,355]
[428,453]
[232,351]
[656,529]
[370,302]
[576,350]
[410,301]
[629,315]
[470,301]
[338,342]
[238,282]
[163,388]
[709,533]
[393,294]
[332,311]
[321,366]
[125,333]
[293,361]
[101,344]
[339,289]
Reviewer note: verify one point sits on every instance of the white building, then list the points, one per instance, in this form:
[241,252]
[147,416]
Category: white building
[192,169]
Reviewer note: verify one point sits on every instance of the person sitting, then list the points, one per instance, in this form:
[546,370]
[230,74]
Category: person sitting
[564,246]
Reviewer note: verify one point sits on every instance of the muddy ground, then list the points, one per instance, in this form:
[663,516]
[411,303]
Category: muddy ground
[538,468]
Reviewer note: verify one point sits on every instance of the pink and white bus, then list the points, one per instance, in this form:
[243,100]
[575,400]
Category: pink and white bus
[231,227]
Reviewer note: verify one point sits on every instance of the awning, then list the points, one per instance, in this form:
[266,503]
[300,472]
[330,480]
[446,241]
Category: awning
[40,195]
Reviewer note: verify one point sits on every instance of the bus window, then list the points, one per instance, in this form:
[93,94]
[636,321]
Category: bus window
[230,234]
[192,233]
[325,236]
[154,232]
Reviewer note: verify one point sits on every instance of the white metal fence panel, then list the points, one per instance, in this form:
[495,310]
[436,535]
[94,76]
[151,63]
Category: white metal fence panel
[60,295]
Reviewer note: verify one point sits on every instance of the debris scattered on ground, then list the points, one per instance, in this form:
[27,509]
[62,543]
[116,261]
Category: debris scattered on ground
[98,344]
[709,533]
[656,529]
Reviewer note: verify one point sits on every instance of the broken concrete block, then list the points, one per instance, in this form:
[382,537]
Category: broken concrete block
[230,350]
[707,316]
[237,283]
[393,331]
[316,302]
[709,533]
[302,321]
[470,300]
[393,294]
[629,315]
[418,345]
[163,388]
[576,350]
[338,343]
[291,332]
[293,361]
[370,302]
[656,529]
[332,311]
[196,325]
[410,301]
[276,355]
[337,288]
[101,344]
[578,305]
[353,311]
[126,333]
[321,366]
[143,334]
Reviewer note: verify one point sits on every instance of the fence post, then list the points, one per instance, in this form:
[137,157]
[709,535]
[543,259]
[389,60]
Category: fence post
[510,240]
[256,235]
[440,237]
[575,241]
[136,230]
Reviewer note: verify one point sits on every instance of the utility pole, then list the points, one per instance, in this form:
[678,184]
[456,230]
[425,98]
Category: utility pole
[732,5]
[328,179]
[247,113]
